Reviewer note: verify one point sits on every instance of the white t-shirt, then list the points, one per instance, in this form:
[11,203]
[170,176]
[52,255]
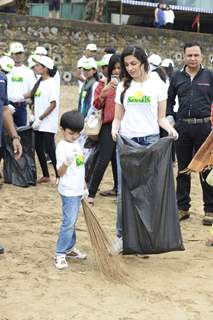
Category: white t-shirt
[72,183]
[169,16]
[79,64]
[21,80]
[47,92]
[141,106]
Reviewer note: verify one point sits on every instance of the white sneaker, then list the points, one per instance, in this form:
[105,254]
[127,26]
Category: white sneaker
[117,245]
[76,254]
[60,262]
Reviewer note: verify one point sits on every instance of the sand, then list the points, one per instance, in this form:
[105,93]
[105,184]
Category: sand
[172,286]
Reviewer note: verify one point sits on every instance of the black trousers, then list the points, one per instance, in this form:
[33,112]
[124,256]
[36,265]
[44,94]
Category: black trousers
[107,153]
[191,137]
[45,143]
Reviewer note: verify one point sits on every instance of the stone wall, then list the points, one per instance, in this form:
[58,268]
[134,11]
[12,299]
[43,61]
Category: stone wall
[66,40]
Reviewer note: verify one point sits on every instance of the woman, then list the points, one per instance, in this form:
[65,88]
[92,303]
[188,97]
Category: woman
[105,101]
[140,108]
[85,105]
[46,109]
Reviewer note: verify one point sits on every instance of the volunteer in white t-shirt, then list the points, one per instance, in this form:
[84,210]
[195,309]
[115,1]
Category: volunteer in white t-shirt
[169,17]
[140,108]
[46,110]
[90,52]
[20,81]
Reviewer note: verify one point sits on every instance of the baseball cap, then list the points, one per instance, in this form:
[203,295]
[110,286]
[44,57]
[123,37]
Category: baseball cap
[6,63]
[91,47]
[167,62]
[88,64]
[105,60]
[16,47]
[44,60]
[155,60]
[31,61]
[40,51]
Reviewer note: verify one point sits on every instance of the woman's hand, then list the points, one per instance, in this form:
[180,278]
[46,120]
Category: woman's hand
[173,133]
[114,133]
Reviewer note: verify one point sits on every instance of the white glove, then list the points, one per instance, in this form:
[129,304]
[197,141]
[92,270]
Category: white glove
[173,134]
[36,124]
[69,161]
[85,194]
[11,108]
[31,118]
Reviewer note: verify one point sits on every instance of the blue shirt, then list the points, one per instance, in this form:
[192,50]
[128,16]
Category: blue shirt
[3,99]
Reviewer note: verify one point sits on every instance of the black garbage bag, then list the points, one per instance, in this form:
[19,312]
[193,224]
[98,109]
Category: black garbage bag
[21,172]
[149,207]
[91,162]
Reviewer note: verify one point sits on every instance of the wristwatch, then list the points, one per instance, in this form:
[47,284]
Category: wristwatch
[16,137]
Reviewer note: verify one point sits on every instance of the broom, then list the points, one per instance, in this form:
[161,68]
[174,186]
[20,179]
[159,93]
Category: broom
[108,263]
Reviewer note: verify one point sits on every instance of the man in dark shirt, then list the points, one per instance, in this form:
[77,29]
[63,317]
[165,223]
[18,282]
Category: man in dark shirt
[6,117]
[194,87]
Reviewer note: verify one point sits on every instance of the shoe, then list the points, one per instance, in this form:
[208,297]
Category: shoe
[108,193]
[1,250]
[117,245]
[76,254]
[208,219]
[183,214]
[60,262]
[43,180]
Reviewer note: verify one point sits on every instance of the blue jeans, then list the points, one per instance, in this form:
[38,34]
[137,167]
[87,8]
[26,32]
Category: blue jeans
[143,141]
[67,235]
[20,115]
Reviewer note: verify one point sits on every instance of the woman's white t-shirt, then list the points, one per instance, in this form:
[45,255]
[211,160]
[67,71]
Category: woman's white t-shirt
[72,183]
[47,92]
[141,106]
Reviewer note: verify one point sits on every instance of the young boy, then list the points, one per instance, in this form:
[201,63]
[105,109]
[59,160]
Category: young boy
[70,166]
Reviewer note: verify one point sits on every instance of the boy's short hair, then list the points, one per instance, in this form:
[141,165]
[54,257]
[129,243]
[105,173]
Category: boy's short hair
[72,120]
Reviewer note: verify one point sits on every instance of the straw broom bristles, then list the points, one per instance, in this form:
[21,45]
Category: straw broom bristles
[108,263]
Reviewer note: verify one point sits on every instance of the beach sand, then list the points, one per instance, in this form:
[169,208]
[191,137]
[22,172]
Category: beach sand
[172,286]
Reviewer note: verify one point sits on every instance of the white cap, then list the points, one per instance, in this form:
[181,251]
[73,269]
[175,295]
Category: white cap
[31,61]
[6,63]
[45,61]
[16,47]
[167,62]
[105,60]
[155,60]
[91,47]
[88,64]
[40,51]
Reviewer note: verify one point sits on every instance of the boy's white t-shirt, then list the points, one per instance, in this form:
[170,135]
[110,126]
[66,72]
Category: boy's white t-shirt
[47,92]
[141,106]
[21,80]
[72,183]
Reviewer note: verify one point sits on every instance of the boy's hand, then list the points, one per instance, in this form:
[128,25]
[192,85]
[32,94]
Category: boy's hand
[85,194]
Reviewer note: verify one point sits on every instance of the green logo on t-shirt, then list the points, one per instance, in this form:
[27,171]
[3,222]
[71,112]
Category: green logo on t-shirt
[79,160]
[17,79]
[139,97]
[37,93]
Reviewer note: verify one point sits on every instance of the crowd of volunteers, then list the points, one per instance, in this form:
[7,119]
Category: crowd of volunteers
[139,97]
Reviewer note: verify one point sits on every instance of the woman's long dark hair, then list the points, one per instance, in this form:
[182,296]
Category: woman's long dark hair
[52,72]
[115,58]
[138,53]
[161,72]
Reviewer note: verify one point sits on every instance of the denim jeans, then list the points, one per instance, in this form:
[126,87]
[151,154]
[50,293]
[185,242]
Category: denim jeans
[67,235]
[20,115]
[143,141]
